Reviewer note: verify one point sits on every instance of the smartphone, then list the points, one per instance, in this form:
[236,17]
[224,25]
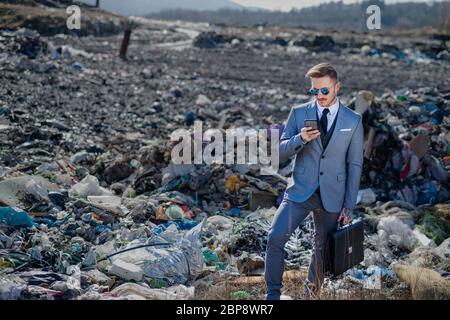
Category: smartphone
[311,123]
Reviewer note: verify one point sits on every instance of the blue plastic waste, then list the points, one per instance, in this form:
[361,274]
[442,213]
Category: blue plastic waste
[101,228]
[190,118]
[364,275]
[429,107]
[428,194]
[185,224]
[15,217]
[77,66]
[235,212]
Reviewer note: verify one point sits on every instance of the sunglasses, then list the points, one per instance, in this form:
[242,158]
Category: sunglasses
[315,92]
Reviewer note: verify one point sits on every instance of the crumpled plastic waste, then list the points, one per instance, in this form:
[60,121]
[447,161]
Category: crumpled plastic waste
[89,186]
[15,217]
[366,197]
[394,230]
[371,277]
[10,290]
[185,224]
[177,262]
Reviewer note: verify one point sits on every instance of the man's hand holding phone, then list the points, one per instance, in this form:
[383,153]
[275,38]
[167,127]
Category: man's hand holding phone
[309,131]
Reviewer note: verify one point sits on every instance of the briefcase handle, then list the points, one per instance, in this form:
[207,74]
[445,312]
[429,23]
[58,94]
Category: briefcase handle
[341,224]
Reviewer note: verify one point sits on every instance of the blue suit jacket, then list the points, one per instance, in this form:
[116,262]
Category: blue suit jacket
[337,169]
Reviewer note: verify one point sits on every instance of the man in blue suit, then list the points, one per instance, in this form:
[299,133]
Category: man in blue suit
[325,179]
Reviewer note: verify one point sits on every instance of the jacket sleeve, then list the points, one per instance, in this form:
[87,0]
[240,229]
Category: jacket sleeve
[290,141]
[355,155]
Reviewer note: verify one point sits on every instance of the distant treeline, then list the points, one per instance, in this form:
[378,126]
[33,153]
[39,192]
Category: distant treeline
[48,3]
[334,15]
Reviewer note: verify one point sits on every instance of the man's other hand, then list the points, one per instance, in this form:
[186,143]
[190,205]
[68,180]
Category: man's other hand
[345,216]
[307,134]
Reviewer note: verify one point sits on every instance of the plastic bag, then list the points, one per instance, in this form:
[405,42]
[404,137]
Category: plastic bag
[89,186]
[15,217]
[175,262]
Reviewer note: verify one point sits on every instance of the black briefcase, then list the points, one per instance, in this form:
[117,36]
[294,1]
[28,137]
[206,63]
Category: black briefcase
[345,248]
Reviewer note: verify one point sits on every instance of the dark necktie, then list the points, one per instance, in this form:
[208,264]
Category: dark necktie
[324,121]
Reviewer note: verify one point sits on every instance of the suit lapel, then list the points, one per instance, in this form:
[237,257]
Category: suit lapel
[312,114]
[337,128]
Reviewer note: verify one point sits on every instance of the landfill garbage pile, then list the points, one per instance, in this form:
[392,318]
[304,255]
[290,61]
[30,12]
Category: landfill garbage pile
[49,18]
[420,52]
[92,207]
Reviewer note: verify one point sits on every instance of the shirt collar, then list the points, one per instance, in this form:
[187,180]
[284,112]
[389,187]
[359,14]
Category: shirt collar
[333,108]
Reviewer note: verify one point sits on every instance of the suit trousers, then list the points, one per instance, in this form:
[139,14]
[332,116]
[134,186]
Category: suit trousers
[288,217]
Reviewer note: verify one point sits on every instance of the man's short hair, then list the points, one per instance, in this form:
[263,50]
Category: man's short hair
[322,70]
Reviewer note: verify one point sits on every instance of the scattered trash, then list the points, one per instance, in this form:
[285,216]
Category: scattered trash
[13,190]
[371,277]
[211,40]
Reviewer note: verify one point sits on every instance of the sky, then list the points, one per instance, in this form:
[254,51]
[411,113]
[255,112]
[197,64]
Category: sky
[286,5]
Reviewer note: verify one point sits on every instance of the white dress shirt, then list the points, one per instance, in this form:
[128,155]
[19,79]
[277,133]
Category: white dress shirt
[331,115]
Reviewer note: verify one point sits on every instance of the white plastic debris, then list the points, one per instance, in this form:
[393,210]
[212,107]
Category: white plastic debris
[397,232]
[90,259]
[202,100]
[218,223]
[10,290]
[423,239]
[111,204]
[365,49]
[80,157]
[366,196]
[110,200]
[127,271]
[177,262]
[99,278]
[363,101]
[36,189]
[74,277]
[443,250]
[89,186]
[235,42]
[68,52]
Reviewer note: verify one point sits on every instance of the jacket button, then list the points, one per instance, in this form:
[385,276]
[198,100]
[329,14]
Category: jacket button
[323,157]
[321,173]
